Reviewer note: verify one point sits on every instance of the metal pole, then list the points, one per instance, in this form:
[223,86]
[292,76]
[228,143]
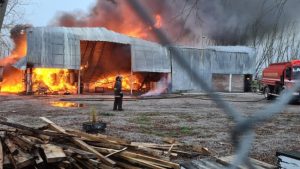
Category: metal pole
[230,83]
[29,81]
[131,83]
[79,81]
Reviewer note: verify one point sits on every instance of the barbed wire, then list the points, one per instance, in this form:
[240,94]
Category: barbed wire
[243,133]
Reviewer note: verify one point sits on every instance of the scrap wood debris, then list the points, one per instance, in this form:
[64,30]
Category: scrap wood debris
[55,147]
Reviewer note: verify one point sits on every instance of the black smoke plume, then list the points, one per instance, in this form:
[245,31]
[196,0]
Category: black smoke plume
[228,22]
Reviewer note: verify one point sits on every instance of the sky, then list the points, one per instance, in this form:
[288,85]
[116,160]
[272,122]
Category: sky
[42,12]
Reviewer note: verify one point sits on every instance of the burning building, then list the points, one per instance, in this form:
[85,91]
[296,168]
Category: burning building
[80,60]
[77,60]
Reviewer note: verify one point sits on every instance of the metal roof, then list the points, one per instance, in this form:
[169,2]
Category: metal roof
[59,47]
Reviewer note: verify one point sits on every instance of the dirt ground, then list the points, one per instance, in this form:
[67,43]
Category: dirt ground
[192,120]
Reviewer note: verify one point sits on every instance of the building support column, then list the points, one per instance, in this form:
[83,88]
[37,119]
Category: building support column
[230,83]
[79,83]
[28,81]
[131,83]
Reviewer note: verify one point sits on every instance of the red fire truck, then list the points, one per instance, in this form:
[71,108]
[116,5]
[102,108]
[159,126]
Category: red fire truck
[280,76]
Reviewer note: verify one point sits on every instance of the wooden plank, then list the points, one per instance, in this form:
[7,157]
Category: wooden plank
[131,155]
[86,147]
[85,163]
[53,153]
[142,163]
[100,165]
[166,147]
[118,151]
[107,145]
[99,137]
[23,160]
[11,160]
[148,158]
[32,130]
[74,163]
[22,143]
[80,143]
[13,149]
[38,159]
[126,166]
[201,150]
[170,140]
[6,162]
[63,164]
[155,152]
[75,151]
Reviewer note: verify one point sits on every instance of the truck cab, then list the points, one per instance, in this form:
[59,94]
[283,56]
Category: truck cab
[280,76]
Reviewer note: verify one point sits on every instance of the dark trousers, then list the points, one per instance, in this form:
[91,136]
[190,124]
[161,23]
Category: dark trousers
[118,103]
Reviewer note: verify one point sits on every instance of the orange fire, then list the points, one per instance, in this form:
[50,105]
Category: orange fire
[52,80]
[12,83]
[158,23]
[128,82]
[139,31]
[44,81]
[64,104]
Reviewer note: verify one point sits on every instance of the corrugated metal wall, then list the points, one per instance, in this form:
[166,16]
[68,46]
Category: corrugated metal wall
[231,63]
[150,59]
[208,62]
[52,48]
[198,60]
[60,48]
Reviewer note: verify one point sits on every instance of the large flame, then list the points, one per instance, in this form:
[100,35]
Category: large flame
[128,82]
[12,82]
[52,80]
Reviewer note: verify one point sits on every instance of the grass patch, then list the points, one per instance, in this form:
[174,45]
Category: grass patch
[106,114]
[143,120]
[147,125]
[186,130]
[188,118]
[166,132]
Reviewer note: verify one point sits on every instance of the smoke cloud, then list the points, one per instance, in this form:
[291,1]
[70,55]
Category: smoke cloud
[227,22]
[236,21]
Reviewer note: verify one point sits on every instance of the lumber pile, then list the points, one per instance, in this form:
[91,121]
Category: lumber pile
[55,147]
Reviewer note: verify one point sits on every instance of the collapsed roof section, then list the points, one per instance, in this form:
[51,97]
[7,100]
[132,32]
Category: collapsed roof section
[59,47]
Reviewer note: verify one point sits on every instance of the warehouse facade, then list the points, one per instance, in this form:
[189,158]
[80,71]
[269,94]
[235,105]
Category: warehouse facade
[226,68]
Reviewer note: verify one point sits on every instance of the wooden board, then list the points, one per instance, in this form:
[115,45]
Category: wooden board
[53,153]
[6,162]
[79,142]
[23,159]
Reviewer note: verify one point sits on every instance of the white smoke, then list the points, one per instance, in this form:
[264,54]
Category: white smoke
[161,87]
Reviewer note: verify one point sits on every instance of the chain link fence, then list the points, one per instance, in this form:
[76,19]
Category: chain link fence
[243,132]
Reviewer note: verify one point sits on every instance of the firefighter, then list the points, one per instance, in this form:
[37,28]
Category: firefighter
[118,94]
